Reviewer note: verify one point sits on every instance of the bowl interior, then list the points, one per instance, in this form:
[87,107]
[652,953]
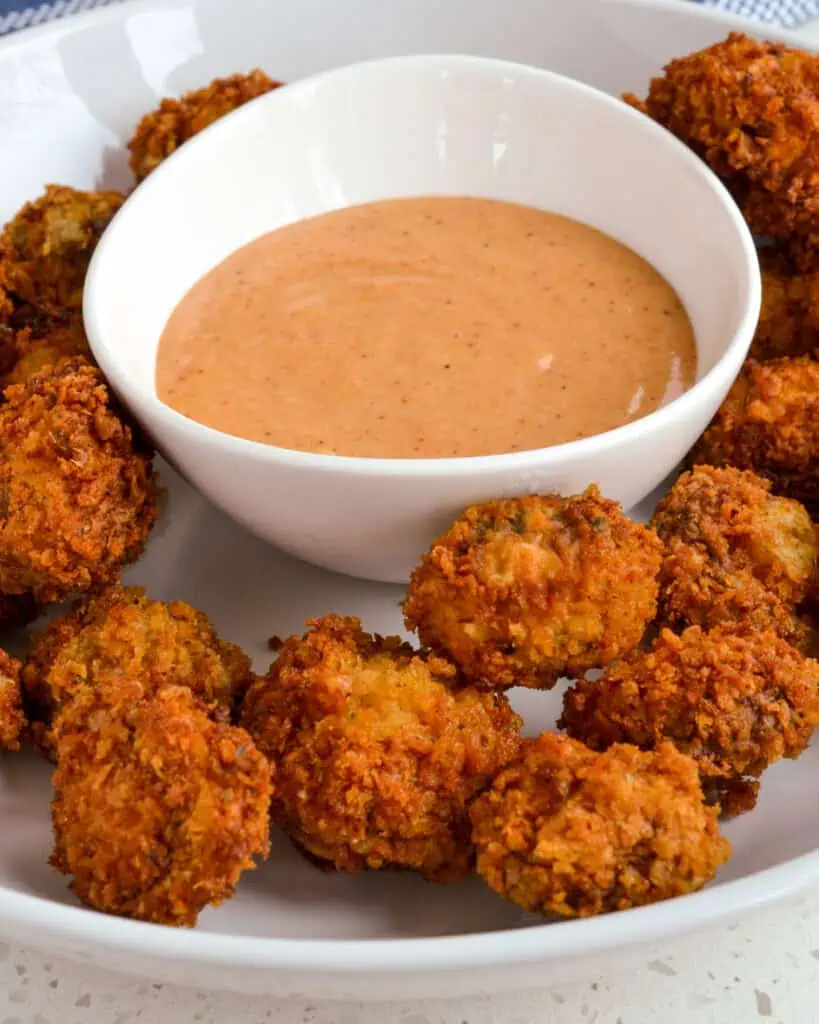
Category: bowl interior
[414,126]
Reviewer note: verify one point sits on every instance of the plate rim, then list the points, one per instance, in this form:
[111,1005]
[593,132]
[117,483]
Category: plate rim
[502,948]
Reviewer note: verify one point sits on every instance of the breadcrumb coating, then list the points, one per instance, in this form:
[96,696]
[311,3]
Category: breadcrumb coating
[46,248]
[165,129]
[376,751]
[12,719]
[770,423]
[736,701]
[122,635]
[157,809]
[521,591]
[77,499]
[733,553]
[568,831]
[48,344]
[789,318]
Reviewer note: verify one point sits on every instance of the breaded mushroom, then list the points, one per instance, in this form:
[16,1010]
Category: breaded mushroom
[568,831]
[734,552]
[521,591]
[770,423]
[12,719]
[789,318]
[736,701]
[376,750]
[49,343]
[77,499]
[157,808]
[751,111]
[46,248]
[164,130]
[120,634]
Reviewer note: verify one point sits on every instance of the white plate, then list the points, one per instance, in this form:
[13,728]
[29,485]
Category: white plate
[70,94]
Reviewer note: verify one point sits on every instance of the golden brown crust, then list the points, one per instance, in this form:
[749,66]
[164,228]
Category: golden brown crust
[789,318]
[46,248]
[734,701]
[751,111]
[48,344]
[376,751]
[157,810]
[521,591]
[770,423]
[164,130]
[77,501]
[733,553]
[12,719]
[120,634]
[568,831]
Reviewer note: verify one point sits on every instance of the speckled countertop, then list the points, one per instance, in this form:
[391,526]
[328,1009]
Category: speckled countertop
[764,970]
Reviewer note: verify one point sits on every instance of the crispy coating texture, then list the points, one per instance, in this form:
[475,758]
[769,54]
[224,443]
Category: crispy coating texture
[157,809]
[377,752]
[49,343]
[519,592]
[120,635]
[46,248]
[164,130]
[789,319]
[770,423]
[733,553]
[736,701]
[568,831]
[12,719]
[77,499]
[751,110]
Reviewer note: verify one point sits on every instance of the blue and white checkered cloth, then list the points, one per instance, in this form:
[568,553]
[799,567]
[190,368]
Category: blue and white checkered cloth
[17,14]
[788,13]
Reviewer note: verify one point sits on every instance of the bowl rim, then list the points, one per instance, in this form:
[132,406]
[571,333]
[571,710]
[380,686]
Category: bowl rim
[157,416]
[504,947]
[523,946]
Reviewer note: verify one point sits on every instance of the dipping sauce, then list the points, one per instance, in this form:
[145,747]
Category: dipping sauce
[425,328]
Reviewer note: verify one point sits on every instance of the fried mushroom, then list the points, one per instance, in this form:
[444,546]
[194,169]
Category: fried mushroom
[523,590]
[751,111]
[733,553]
[77,498]
[122,635]
[46,248]
[734,700]
[47,344]
[770,423]
[377,751]
[165,129]
[158,809]
[568,831]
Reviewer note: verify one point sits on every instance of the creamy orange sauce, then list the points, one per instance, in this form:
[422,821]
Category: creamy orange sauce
[425,328]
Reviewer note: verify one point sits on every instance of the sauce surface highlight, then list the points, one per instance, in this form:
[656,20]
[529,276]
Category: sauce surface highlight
[426,328]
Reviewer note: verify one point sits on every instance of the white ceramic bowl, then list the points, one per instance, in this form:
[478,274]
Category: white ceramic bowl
[414,126]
